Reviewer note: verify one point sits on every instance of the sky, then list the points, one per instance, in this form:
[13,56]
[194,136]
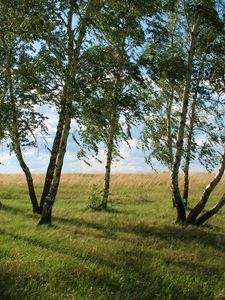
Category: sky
[37,158]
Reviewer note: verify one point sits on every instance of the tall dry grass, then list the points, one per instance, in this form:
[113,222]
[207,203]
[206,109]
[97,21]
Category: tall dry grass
[197,180]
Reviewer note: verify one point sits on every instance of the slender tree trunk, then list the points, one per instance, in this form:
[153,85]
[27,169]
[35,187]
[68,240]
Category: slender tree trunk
[186,185]
[15,134]
[169,127]
[190,135]
[188,152]
[54,152]
[29,178]
[191,219]
[211,212]
[108,165]
[23,165]
[181,215]
[73,55]
[113,120]
[46,217]
[169,135]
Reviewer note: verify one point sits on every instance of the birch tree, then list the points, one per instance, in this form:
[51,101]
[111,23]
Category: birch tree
[113,93]
[112,100]
[192,107]
[19,86]
[74,38]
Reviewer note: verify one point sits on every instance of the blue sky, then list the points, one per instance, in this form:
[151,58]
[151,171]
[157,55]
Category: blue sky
[37,158]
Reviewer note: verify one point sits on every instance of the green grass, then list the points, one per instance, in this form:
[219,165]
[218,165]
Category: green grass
[134,251]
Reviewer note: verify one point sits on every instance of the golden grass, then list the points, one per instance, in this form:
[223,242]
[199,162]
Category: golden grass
[197,180]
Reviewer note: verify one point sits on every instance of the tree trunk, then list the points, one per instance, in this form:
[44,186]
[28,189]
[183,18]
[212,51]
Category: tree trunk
[29,179]
[169,135]
[191,219]
[190,135]
[52,162]
[188,152]
[211,212]
[46,217]
[73,55]
[108,165]
[15,133]
[186,186]
[181,215]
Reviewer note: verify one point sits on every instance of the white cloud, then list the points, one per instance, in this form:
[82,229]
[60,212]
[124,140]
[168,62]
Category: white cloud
[37,158]
[5,157]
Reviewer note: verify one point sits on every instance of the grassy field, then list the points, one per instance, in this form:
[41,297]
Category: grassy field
[134,251]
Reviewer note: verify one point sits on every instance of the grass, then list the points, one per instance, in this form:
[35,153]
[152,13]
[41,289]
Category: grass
[134,251]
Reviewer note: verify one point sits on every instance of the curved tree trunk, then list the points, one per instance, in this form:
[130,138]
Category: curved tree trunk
[211,212]
[29,178]
[181,215]
[189,137]
[52,162]
[15,133]
[46,217]
[191,219]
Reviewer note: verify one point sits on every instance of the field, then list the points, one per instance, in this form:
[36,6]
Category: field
[133,251]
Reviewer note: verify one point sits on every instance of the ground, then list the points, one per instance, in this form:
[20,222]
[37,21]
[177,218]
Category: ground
[133,251]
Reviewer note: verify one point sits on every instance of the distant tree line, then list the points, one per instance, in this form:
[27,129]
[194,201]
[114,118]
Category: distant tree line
[110,65]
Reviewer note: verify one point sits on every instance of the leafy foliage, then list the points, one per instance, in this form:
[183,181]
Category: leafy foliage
[165,61]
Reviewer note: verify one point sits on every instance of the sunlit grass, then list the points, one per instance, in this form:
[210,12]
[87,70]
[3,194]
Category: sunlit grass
[133,251]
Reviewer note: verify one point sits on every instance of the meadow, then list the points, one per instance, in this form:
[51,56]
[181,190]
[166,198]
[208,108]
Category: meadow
[132,251]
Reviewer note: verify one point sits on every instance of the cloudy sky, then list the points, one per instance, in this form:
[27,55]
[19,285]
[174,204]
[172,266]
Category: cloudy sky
[37,158]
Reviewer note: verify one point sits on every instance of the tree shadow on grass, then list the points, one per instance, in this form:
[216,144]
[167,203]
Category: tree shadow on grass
[110,210]
[14,285]
[199,267]
[14,210]
[22,211]
[52,247]
[131,279]
[123,276]
[196,234]
[184,234]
